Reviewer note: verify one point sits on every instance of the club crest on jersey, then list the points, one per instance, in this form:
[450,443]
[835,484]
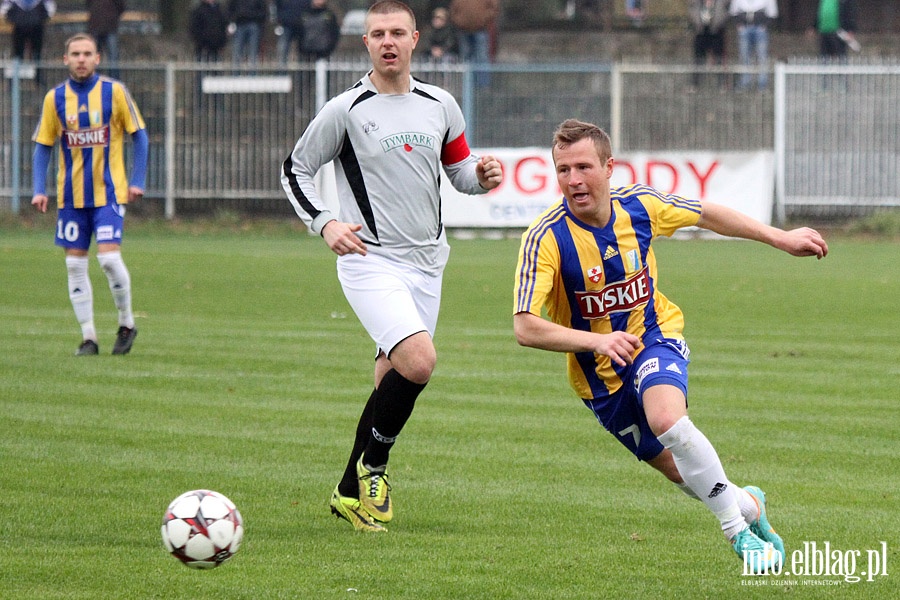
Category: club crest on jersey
[634,260]
[408,141]
[595,274]
[72,119]
[370,127]
[621,296]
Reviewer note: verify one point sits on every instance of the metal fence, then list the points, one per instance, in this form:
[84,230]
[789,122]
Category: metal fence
[837,137]
[218,134]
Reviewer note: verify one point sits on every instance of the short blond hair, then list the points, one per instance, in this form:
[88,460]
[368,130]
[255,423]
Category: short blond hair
[573,130]
[82,37]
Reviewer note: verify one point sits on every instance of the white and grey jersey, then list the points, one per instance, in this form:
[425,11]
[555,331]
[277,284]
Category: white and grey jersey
[387,151]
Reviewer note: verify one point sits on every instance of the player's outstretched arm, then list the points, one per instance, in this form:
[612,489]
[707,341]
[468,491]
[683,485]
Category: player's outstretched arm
[342,239]
[802,242]
[536,332]
[729,222]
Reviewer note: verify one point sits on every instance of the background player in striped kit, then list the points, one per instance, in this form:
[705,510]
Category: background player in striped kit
[588,259]
[89,115]
[390,136]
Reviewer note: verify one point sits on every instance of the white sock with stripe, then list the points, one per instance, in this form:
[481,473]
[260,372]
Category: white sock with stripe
[746,502]
[82,295]
[119,285]
[702,471]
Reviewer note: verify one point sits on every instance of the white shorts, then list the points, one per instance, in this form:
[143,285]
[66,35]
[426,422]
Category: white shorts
[392,301]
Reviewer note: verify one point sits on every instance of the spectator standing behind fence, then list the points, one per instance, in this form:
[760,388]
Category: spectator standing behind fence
[836,27]
[89,116]
[752,18]
[442,41]
[289,16]
[247,18]
[636,10]
[321,31]
[709,18]
[28,18]
[103,24]
[474,21]
[209,30]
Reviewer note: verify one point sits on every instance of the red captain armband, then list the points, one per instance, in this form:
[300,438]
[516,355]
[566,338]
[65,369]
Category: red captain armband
[455,151]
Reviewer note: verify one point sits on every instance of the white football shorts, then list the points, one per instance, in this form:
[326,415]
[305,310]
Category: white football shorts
[392,301]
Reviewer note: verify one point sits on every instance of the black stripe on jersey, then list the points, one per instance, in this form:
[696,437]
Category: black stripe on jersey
[364,96]
[302,200]
[441,198]
[419,92]
[354,176]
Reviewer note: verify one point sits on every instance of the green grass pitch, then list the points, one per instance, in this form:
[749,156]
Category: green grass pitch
[250,370]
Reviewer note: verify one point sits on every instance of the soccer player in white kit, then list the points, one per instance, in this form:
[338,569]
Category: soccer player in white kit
[389,137]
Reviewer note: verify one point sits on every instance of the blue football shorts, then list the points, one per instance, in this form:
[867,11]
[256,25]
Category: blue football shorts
[75,226]
[622,414]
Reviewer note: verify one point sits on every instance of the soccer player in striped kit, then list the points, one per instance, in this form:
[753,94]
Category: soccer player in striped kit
[390,136]
[89,115]
[589,261]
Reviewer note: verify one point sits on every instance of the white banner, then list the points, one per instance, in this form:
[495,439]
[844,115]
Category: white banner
[741,180]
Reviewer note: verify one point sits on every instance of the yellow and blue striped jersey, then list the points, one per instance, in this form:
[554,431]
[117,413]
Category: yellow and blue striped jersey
[90,119]
[602,279]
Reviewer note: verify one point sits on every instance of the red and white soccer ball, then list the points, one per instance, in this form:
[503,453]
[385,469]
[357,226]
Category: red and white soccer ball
[202,529]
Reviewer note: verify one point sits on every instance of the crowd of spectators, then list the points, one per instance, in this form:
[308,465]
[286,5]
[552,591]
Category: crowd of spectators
[451,30]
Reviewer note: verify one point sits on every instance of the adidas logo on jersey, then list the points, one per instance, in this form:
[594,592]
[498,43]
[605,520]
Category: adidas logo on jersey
[674,368]
[610,252]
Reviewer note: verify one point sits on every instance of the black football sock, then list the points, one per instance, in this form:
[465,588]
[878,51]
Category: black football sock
[349,485]
[393,405]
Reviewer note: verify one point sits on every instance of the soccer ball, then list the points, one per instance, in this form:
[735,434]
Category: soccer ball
[202,529]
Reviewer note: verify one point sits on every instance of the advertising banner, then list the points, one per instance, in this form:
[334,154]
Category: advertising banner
[741,180]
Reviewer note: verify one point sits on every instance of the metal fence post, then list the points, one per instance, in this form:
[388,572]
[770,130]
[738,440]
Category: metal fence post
[615,109]
[468,105]
[780,110]
[16,136]
[170,141]
[321,83]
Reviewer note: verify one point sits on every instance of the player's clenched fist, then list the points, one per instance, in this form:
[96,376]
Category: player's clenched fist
[489,172]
